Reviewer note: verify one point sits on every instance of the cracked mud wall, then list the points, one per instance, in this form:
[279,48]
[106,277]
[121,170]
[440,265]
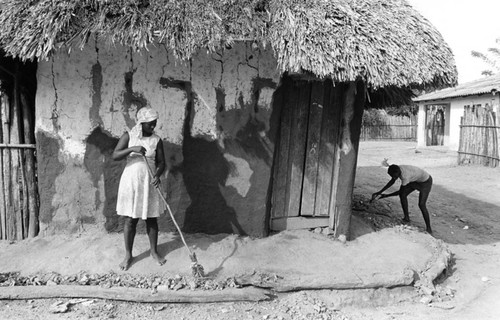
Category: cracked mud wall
[216,121]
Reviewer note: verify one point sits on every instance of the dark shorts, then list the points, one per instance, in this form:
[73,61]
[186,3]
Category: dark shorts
[421,186]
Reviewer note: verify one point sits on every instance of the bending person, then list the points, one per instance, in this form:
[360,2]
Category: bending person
[412,178]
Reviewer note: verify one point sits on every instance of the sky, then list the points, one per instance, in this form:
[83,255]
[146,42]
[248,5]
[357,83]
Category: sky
[465,25]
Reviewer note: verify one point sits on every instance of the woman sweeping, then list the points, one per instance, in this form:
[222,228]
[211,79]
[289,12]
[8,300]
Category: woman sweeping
[137,197]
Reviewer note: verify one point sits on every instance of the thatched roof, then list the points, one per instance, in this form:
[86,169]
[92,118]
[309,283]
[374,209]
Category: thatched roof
[386,42]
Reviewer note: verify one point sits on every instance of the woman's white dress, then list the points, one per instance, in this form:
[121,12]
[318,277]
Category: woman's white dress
[137,197]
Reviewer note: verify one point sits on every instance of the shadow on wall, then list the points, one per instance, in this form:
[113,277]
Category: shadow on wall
[99,162]
[216,207]
[49,168]
[205,169]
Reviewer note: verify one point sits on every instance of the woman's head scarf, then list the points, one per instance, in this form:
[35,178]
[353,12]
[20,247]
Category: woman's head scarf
[145,114]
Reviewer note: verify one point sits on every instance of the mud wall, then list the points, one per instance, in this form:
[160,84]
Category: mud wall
[216,121]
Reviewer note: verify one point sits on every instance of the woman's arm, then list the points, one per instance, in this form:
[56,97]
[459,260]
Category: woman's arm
[160,163]
[121,150]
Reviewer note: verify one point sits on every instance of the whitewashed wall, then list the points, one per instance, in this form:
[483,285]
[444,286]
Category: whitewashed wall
[454,113]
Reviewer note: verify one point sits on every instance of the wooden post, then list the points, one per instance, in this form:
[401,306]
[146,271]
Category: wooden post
[3,216]
[460,141]
[32,196]
[16,164]
[7,163]
[494,138]
[347,158]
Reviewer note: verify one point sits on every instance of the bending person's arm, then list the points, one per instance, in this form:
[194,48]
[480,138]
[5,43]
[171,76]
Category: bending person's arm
[387,186]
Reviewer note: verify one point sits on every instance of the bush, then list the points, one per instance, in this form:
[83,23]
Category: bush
[403,111]
[374,117]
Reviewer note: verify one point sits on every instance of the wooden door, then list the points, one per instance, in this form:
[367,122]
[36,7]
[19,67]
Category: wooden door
[305,155]
[435,125]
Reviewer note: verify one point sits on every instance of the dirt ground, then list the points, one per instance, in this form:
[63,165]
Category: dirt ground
[465,215]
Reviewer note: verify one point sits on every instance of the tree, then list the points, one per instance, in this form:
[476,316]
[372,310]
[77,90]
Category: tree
[492,58]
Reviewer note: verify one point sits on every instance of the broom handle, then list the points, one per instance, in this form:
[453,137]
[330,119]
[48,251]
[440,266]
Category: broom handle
[168,207]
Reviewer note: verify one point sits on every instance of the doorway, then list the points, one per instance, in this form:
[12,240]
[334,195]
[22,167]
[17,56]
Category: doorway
[435,124]
[305,153]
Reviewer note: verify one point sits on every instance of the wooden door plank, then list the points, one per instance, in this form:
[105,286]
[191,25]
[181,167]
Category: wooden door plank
[328,146]
[312,149]
[293,223]
[277,203]
[297,147]
[290,95]
[352,109]
[3,201]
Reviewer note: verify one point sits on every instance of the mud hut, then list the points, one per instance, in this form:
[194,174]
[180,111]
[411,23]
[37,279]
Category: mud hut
[260,102]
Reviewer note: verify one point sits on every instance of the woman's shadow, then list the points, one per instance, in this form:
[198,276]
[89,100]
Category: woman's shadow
[204,170]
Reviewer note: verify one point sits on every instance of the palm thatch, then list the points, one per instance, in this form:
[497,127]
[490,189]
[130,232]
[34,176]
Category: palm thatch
[385,42]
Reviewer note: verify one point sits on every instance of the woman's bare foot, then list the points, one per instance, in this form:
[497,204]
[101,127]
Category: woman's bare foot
[161,261]
[126,263]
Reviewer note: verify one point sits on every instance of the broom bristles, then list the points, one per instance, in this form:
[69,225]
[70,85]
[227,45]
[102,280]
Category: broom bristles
[196,268]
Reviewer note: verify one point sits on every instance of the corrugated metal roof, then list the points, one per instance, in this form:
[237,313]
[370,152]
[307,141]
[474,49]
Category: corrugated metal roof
[480,86]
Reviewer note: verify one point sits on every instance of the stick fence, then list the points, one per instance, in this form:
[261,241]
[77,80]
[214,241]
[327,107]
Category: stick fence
[479,132]
[19,201]
[388,127]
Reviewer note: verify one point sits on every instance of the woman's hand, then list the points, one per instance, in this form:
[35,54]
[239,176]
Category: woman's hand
[138,149]
[156,181]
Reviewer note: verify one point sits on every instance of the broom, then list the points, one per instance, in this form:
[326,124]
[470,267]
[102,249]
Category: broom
[196,268]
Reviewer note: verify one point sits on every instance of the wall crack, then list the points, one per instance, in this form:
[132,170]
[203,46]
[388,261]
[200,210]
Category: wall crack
[55,113]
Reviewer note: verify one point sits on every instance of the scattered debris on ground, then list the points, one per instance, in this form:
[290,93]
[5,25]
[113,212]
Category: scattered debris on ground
[378,214]
[153,282]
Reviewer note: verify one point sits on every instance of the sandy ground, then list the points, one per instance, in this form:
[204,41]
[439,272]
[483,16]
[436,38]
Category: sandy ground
[465,214]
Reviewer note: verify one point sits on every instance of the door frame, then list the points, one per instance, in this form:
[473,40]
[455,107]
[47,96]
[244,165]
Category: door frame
[320,97]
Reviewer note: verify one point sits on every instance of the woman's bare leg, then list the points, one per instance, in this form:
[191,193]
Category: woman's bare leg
[129,228]
[152,230]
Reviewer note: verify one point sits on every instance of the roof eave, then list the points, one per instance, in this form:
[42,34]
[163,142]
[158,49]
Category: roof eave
[493,92]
